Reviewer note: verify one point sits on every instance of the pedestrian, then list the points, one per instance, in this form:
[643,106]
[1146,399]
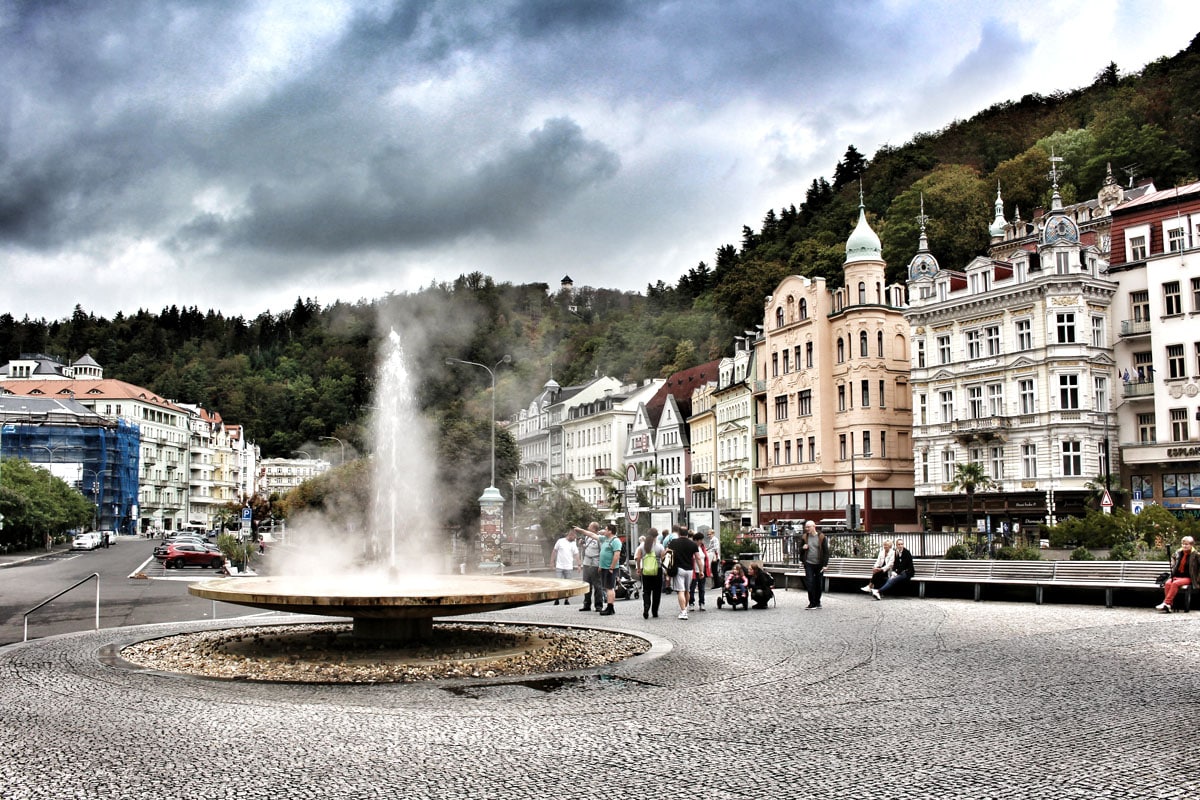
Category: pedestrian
[647,561]
[762,585]
[1185,571]
[903,570]
[591,567]
[814,548]
[610,562]
[685,554]
[702,572]
[566,559]
[713,545]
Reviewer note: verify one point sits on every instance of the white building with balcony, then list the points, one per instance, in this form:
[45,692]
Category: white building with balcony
[595,434]
[1013,369]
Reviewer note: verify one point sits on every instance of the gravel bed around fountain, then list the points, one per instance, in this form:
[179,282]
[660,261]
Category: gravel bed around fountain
[327,653]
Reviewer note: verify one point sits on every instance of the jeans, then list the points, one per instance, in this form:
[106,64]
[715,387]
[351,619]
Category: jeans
[697,586]
[896,579]
[591,576]
[814,581]
[565,574]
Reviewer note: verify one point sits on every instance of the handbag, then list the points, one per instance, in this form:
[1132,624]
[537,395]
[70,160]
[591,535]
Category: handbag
[1162,578]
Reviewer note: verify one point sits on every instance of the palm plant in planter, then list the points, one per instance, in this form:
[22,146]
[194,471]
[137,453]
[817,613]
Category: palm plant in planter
[969,478]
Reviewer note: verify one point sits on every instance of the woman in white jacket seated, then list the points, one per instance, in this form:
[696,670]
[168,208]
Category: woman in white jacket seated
[882,567]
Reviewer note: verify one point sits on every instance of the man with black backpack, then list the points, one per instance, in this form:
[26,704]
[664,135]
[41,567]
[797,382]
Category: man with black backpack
[648,561]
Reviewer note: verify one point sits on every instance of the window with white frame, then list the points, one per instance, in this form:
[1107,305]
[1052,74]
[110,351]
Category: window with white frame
[1179,425]
[1195,294]
[943,346]
[924,466]
[1029,461]
[841,391]
[866,444]
[974,344]
[1062,263]
[1100,392]
[991,335]
[1175,365]
[1172,302]
[1072,459]
[1027,395]
[1024,335]
[920,354]
[947,465]
[1139,305]
[1136,243]
[1068,392]
[1066,327]
[997,471]
[975,401]
[922,409]
[947,401]
[1146,428]
[1175,239]
[1097,331]
[996,399]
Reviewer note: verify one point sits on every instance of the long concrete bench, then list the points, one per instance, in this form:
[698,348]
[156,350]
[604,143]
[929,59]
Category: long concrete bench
[1106,575]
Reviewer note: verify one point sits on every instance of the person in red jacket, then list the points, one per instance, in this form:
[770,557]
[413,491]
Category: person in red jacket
[1185,571]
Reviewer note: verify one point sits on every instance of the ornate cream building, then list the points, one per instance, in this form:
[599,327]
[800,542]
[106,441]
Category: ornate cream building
[832,397]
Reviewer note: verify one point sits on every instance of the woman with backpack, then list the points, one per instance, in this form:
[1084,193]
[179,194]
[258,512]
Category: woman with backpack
[648,560]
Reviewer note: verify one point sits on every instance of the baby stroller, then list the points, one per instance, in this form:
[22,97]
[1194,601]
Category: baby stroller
[735,594]
[628,587]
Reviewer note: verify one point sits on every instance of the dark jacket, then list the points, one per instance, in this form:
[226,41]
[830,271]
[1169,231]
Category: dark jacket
[824,541]
[904,563]
[1193,565]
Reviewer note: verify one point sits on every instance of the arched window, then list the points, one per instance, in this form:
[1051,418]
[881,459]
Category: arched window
[863,349]
[841,350]
[803,308]
[862,293]
[879,342]
[779,317]
[791,308]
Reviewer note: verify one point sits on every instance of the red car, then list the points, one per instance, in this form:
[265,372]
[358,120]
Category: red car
[186,554]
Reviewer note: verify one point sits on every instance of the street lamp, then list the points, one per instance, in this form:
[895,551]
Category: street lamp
[95,494]
[342,444]
[491,371]
[50,451]
[301,453]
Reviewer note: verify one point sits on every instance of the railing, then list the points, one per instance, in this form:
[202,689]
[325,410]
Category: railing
[95,575]
[785,548]
[1135,327]
[521,557]
[979,424]
[1138,389]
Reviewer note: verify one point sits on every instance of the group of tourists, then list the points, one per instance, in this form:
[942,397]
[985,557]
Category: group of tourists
[678,561]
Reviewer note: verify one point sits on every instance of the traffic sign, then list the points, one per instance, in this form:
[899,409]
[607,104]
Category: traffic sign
[1106,501]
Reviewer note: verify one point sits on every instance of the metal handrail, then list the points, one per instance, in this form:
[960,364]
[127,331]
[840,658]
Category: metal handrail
[95,575]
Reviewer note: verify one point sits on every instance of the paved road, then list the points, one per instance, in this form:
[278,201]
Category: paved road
[903,698]
[29,578]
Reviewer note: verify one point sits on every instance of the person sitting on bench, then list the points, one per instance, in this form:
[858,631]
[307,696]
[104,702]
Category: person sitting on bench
[903,570]
[1185,571]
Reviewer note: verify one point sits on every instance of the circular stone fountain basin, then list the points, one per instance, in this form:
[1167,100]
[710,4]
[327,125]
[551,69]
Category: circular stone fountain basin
[383,608]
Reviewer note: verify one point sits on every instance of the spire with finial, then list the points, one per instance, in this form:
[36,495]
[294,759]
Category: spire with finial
[1055,198]
[922,218]
[923,264]
[863,244]
[996,229]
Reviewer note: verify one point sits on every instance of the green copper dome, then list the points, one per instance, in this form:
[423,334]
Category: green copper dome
[863,244]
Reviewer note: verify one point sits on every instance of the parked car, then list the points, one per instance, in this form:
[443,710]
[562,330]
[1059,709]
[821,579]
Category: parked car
[86,541]
[186,554]
[161,548]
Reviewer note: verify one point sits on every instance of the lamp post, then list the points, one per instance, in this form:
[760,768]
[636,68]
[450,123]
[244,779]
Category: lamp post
[852,517]
[50,451]
[341,444]
[95,495]
[491,371]
[491,502]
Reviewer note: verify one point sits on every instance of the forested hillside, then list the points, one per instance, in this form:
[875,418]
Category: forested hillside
[293,377]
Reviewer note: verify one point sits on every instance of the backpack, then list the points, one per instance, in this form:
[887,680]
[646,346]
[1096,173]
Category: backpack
[650,563]
[668,563]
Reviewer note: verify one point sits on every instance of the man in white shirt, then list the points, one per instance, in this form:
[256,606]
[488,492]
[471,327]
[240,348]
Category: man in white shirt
[566,559]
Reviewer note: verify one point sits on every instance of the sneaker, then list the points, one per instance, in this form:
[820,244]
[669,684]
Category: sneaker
[555,602]
[682,615]
[691,606]
[645,614]
[567,602]
[875,594]
[808,607]
[701,608]
[586,608]
[1160,606]
[866,589]
[1166,609]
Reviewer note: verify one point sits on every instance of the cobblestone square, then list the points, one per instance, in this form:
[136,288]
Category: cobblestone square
[904,698]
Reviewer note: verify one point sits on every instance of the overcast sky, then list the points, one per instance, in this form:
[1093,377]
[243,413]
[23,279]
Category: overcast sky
[238,155]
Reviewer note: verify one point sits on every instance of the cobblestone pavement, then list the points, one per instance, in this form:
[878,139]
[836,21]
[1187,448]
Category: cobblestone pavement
[903,698]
